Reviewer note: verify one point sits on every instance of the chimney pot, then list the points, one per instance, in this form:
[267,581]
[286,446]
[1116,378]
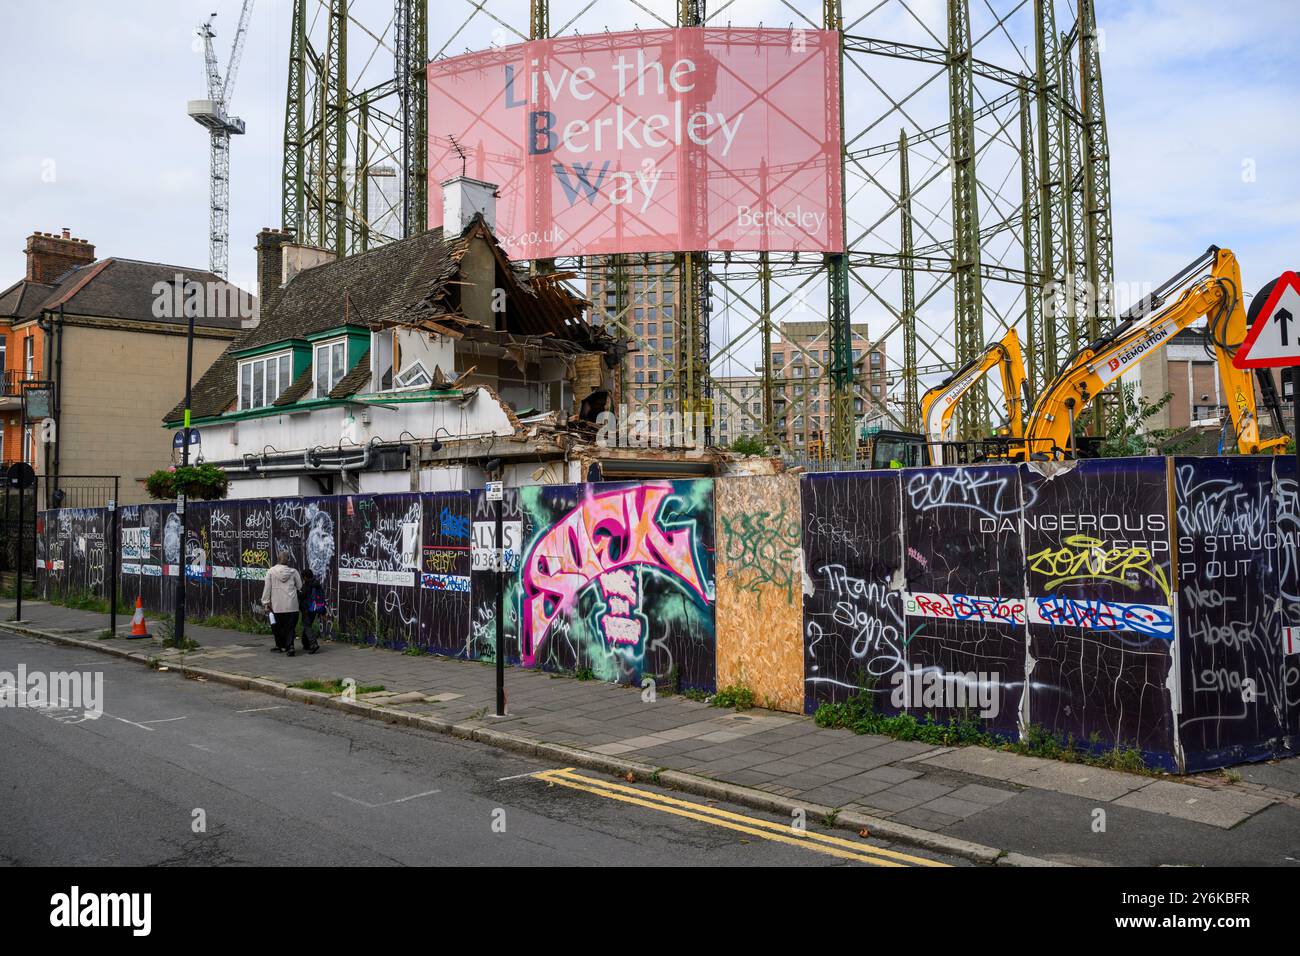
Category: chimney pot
[51,255]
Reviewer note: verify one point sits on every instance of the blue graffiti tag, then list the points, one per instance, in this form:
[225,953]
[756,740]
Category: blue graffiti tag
[1150,620]
[452,525]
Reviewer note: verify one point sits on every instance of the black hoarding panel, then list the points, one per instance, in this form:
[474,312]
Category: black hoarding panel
[482,635]
[964,606]
[1098,569]
[445,560]
[378,567]
[1233,659]
[853,606]
[1287,494]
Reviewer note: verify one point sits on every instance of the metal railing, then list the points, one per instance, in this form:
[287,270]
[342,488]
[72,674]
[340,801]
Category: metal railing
[15,378]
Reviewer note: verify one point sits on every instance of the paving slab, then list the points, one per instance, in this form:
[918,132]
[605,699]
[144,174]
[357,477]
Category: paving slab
[1222,808]
[953,807]
[1081,780]
[983,762]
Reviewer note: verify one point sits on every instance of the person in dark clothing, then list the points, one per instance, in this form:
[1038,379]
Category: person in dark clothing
[312,603]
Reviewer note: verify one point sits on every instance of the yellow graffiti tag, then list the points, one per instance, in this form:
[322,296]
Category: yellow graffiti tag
[1084,557]
[253,558]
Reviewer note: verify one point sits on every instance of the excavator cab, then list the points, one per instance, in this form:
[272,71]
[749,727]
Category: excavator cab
[891,449]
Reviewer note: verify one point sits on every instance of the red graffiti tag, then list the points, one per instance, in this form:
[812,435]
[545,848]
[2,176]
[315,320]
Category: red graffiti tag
[603,534]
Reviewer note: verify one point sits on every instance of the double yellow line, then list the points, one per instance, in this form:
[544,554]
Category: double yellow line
[753,826]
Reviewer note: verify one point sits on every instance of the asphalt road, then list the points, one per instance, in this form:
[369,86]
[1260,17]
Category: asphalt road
[281,783]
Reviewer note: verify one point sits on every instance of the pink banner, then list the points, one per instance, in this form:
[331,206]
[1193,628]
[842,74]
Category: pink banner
[650,141]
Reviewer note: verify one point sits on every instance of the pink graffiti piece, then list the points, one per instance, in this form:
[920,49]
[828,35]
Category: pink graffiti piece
[607,532]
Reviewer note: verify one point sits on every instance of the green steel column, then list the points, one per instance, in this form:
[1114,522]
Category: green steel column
[293,191]
[335,81]
[968,292]
[361,234]
[842,419]
[694,393]
[1076,248]
[911,400]
[1100,246]
[539,28]
[410,60]
[1030,238]
[1051,192]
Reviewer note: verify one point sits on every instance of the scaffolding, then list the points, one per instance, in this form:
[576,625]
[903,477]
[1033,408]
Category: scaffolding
[976,192]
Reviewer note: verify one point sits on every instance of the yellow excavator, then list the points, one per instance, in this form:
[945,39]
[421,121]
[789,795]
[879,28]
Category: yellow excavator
[1141,333]
[939,403]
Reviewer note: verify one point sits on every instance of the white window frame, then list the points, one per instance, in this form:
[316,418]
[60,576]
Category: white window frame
[259,365]
[329,345]
[413,376]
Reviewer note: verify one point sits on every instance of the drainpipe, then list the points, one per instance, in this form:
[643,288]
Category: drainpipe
[58,402]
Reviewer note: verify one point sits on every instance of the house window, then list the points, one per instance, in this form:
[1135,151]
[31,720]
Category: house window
[330,362]
[3,347]
[261,380]
[414,375]
[29,355]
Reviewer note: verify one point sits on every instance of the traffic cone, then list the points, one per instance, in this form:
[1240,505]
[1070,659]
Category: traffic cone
[137,622]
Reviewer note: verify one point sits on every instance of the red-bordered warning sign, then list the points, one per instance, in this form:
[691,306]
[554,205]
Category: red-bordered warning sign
[1274,335]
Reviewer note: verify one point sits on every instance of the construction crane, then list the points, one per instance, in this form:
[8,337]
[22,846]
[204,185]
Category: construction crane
[1142,332]
[211,114]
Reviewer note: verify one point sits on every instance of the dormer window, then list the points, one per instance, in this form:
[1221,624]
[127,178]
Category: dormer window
[331,366]
[261,380]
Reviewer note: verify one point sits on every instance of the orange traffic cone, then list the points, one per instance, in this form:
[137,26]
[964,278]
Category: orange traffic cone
[137,622]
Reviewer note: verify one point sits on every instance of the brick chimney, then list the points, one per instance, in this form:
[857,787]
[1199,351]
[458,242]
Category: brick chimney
[270,261]
[49,256]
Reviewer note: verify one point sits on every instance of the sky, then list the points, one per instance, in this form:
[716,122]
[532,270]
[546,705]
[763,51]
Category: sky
[1201,100]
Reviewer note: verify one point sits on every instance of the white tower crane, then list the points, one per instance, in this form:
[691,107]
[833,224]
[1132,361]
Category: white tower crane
[211,114]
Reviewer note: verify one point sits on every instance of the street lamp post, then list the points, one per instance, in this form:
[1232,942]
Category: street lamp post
[179,283]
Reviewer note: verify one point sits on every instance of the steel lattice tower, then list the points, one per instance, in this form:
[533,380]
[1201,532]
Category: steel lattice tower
[992,213]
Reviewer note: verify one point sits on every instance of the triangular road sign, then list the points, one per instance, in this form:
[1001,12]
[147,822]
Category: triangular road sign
[1274,335]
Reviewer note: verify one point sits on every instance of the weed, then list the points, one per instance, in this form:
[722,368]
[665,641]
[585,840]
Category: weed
[737,695]
[829,819]
[106,635]
[237,622]
[414,650]
[858,714]
[479,714]
[585,673]
[694,693]
[1232,776]
[184,644]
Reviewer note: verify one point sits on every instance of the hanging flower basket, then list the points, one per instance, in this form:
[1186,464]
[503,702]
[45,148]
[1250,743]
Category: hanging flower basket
[196,482]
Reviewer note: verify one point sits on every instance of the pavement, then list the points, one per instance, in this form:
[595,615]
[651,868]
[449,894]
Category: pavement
[198,773]
[970,803]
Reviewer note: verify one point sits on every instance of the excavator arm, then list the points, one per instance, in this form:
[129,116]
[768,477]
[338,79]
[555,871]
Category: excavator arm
[939,403]
[1141,333]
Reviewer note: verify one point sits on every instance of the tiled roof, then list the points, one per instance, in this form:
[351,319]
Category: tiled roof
[22,297]
[355,380]
[408,281]
[297,389]
[123,289]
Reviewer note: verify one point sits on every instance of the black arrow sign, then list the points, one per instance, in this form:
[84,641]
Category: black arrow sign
[1283,318]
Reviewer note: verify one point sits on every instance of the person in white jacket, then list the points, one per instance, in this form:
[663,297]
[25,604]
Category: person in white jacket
[280,597]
